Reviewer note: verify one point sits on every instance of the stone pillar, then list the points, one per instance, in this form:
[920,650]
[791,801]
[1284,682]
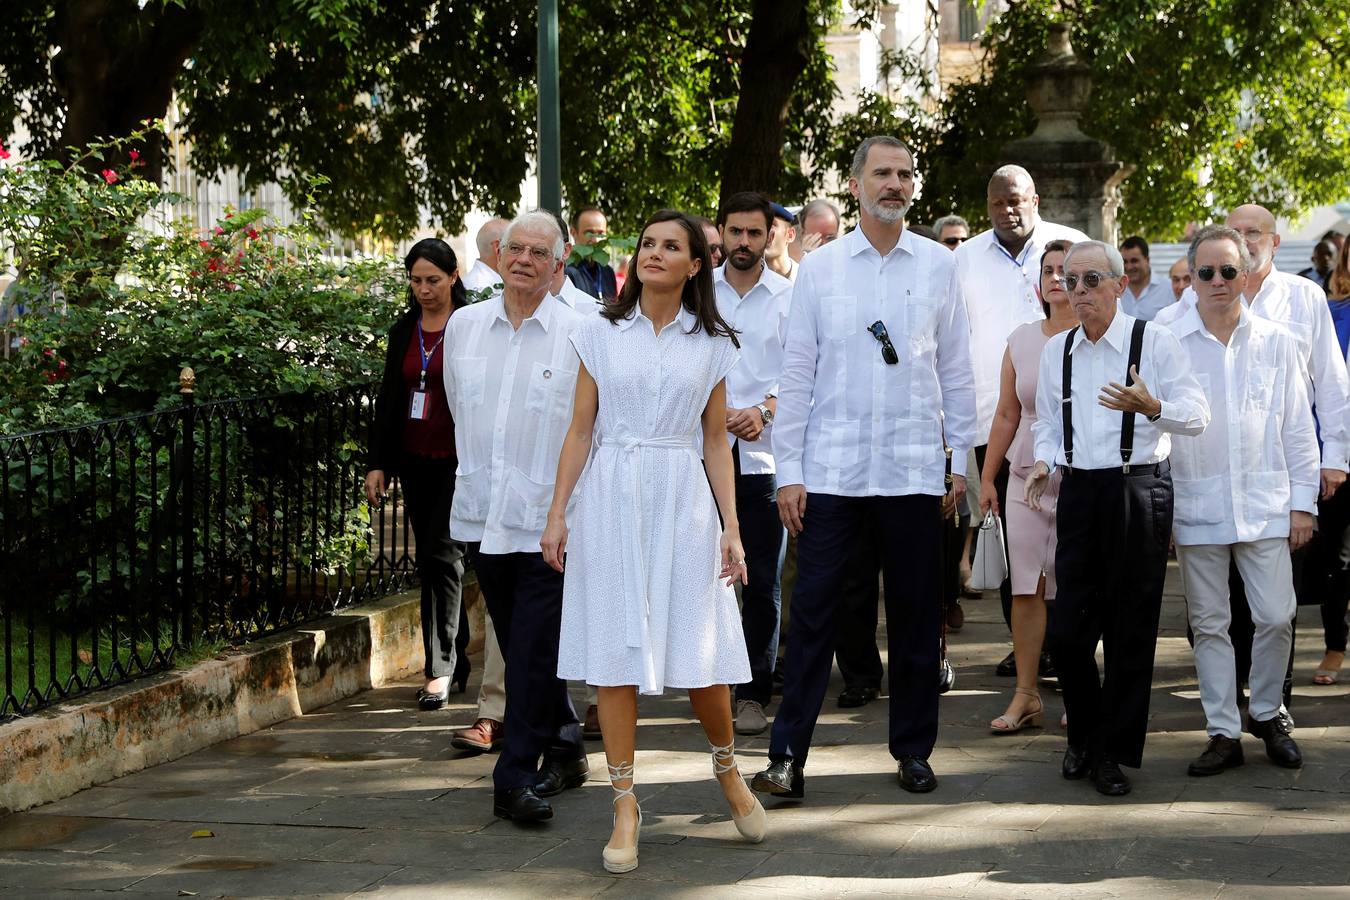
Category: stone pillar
[1077,176]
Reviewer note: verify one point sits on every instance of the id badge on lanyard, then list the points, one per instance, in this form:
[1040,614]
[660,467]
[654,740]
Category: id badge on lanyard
[418,408]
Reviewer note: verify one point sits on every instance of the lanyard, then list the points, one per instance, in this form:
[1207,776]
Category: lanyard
[426,356]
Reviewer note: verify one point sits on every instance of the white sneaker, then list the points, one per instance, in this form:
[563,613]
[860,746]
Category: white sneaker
[750,718]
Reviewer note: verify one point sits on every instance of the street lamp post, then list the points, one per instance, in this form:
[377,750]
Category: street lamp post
[549,124]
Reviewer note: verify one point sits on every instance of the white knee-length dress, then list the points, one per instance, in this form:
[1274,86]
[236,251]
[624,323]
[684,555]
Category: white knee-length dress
[642,601]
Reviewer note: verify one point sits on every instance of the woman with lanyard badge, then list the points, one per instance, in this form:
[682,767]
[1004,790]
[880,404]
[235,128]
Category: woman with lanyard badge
[413,439]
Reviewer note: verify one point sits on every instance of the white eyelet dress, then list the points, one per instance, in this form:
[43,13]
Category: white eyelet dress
[642,601]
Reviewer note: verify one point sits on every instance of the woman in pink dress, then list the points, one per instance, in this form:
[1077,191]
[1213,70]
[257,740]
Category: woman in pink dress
[1031,533]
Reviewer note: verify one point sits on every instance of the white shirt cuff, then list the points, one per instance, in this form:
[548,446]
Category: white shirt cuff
[1303,497]
[1334,456]
[959,460]
[789,473]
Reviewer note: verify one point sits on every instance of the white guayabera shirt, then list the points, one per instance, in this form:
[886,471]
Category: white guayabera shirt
[510,393]
[1238,480]
[849,423]
[760,319]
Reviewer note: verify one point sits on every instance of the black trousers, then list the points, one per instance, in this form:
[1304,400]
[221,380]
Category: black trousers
[1113,533]
[428,489]
[1001,489]
[855,645]
[909,531]
[524,597]
[763,536]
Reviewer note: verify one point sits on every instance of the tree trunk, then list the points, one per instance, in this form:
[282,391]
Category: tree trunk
[776,53]
[116,68]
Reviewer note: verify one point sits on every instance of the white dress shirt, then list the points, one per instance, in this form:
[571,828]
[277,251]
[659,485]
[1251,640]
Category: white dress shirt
[848,423]
[1155,296]
[511,393]
[574,297]
[1301,307]
[1238,479]
[481,276]
[1096,430]
[1000,292]
[760,318]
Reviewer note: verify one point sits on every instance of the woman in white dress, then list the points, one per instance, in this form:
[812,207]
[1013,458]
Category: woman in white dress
[647,601]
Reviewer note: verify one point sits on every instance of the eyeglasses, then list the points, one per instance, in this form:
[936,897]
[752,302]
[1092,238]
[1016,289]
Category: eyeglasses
[878,329]
[953,241]
[538,254]
[1206,273]
[1255,234]
[1091,279]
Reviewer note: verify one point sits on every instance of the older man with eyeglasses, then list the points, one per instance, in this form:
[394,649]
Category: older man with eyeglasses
[876,367]
[1110,394]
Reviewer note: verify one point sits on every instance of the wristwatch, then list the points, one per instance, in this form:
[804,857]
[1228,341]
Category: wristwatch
[765,413]
[1157,417]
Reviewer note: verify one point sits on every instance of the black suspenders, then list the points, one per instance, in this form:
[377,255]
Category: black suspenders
[1127,419]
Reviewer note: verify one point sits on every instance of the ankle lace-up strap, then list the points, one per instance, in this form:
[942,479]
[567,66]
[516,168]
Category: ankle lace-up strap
[622,772]
[724,758]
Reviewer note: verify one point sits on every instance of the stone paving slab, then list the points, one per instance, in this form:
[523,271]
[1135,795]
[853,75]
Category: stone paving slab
[366,798]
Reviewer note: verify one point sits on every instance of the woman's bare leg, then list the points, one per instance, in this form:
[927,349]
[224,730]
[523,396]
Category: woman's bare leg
[712,705]
[1028,633]
[617,708]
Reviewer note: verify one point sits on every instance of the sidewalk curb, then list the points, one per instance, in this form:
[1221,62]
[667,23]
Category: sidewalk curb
[72,746]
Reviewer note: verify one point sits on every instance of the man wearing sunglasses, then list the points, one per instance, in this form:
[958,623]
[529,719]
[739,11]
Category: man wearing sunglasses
[1246,494]
[952,231]
[876,367]
[999,271]
[1110,394]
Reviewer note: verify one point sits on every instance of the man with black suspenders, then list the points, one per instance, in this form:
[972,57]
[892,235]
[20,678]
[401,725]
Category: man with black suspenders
[1098,420]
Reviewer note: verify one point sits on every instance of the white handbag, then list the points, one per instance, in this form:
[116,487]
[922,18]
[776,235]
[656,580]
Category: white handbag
[990,567]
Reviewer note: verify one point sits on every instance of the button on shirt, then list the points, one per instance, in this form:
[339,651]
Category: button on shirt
[1096,430]
[760,318]
[511,393]
[1301,307]
[1000,292]
[1238,480]
[848,423]
[1155,296]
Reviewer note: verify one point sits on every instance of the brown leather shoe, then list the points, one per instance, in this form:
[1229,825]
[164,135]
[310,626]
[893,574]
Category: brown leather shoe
[590,729]
[483,736]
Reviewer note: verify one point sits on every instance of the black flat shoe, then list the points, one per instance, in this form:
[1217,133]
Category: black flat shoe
[1007,668]
[1075,763]
[915,775]
[1109,780]
[1047,668]
[558,775]
[429,702]
[853,697]
[1221,753]
[1280,747]
[946,677]
[520,805]
[782,779]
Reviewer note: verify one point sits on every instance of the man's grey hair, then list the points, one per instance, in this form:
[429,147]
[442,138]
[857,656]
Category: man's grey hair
[1113,258]
[884,140]
[1220,233]
[491,231]
[820,205]
[1013,173]
[537,220]
[952,221]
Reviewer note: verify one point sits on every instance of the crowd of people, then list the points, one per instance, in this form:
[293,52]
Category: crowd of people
[695,473]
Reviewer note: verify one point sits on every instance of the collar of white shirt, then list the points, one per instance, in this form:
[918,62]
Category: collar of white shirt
[1190,322]
[1115,333]
[857,243]
[574,296]
[768,279]
[686,319]
[543,313]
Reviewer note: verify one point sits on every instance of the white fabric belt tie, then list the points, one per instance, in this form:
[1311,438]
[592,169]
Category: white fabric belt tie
[637,604]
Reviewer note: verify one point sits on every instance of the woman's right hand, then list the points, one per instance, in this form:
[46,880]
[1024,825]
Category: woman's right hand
[554,541]
[376,485]
[988,499]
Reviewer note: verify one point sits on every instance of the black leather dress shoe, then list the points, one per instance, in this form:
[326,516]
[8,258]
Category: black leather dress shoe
[1007,668]
[782,779]
[1047,667]
[430,702]
[1221,753]
[1280,747]
[1109,780]
[853,697]
[916,775]
[1075,763]
[558,775]
[520,805]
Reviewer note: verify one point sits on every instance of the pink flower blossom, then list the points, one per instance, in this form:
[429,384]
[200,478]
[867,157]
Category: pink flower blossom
[134,155]
[110,176]
[4,154]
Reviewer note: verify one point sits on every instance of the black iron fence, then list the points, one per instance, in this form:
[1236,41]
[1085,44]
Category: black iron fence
[127,542]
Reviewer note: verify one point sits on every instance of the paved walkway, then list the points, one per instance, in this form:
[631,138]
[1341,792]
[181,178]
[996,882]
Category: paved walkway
[364,797]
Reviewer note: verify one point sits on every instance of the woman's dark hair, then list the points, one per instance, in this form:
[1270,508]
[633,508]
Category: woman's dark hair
[438,253]
[699,296]
[1057,246]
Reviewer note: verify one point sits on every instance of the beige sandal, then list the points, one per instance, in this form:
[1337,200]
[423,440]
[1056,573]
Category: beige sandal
[1006,724]
[623,859]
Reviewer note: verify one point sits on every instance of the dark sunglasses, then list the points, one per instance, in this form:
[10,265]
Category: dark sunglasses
[1206,273]
[953,241]
[878,329]
[1091,279]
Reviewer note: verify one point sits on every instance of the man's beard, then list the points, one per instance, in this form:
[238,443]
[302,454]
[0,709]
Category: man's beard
[887,214]
[755,260]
